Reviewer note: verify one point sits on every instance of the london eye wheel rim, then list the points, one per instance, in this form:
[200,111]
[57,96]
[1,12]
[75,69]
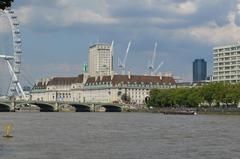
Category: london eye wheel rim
[15,88]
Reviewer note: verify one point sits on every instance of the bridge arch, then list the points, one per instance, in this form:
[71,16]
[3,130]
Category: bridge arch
[44,107]
[81,107]
[111,108]
[21,105]
[66,108]
[5,107]
[27,107]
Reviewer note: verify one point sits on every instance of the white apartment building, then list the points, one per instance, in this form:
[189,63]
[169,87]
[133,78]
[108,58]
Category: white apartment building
[100,60]
[226,63]
[100,89]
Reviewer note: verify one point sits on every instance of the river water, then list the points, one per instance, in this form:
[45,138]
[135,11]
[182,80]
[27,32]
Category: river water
[120,136]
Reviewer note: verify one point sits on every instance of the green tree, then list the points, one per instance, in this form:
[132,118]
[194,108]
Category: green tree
[218,93]
[180,97]
[194,97]
[232,95]
[165,98]
[153,96]
[208,92]
[125,98]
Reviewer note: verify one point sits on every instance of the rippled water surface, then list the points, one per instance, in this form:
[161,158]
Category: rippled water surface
[120,136]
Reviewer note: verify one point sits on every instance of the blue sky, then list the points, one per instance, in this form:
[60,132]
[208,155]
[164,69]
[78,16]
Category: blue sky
[57,33]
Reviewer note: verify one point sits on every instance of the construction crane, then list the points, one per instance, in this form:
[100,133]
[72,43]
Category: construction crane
[122,63]
[151,67]
[112,53]
[155,72]
[151,63]
[112,48]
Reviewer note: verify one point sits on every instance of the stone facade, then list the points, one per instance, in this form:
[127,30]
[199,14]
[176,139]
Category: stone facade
[102,89]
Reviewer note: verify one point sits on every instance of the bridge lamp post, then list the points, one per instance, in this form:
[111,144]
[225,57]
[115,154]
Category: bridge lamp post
[93,105]
[56,96]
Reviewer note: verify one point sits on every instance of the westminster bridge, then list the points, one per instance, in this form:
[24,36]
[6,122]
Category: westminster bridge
[8,105]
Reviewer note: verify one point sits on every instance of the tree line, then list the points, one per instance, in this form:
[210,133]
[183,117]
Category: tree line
[213,94]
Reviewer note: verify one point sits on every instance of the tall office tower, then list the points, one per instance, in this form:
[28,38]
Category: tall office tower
[199,70]
[100,60]
[226,60]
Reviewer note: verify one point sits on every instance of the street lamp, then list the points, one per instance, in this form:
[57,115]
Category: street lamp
[5,4]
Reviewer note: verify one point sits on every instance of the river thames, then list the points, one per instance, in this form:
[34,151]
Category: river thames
[120,136]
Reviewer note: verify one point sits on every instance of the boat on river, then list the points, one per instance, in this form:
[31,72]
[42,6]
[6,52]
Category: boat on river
[179,112]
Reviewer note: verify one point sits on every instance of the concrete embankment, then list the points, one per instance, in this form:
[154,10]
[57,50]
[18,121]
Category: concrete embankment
[219,111]
[203,111]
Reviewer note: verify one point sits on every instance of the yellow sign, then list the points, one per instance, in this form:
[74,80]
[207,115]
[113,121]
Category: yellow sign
[7,130]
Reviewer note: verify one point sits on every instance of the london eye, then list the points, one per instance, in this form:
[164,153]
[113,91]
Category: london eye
[13,60]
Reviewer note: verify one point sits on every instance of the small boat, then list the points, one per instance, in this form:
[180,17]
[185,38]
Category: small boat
[179,112]
[7,130]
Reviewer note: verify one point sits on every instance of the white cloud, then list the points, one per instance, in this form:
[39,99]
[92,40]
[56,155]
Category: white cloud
[176,8]
[63,14]
[149,2]
[214,34]
[188,7]
[66,13]
[25,14]
[4,24]
[159,21]
[184,8]
[74,15]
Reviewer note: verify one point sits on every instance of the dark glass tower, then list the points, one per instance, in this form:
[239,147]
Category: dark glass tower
[199,70]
